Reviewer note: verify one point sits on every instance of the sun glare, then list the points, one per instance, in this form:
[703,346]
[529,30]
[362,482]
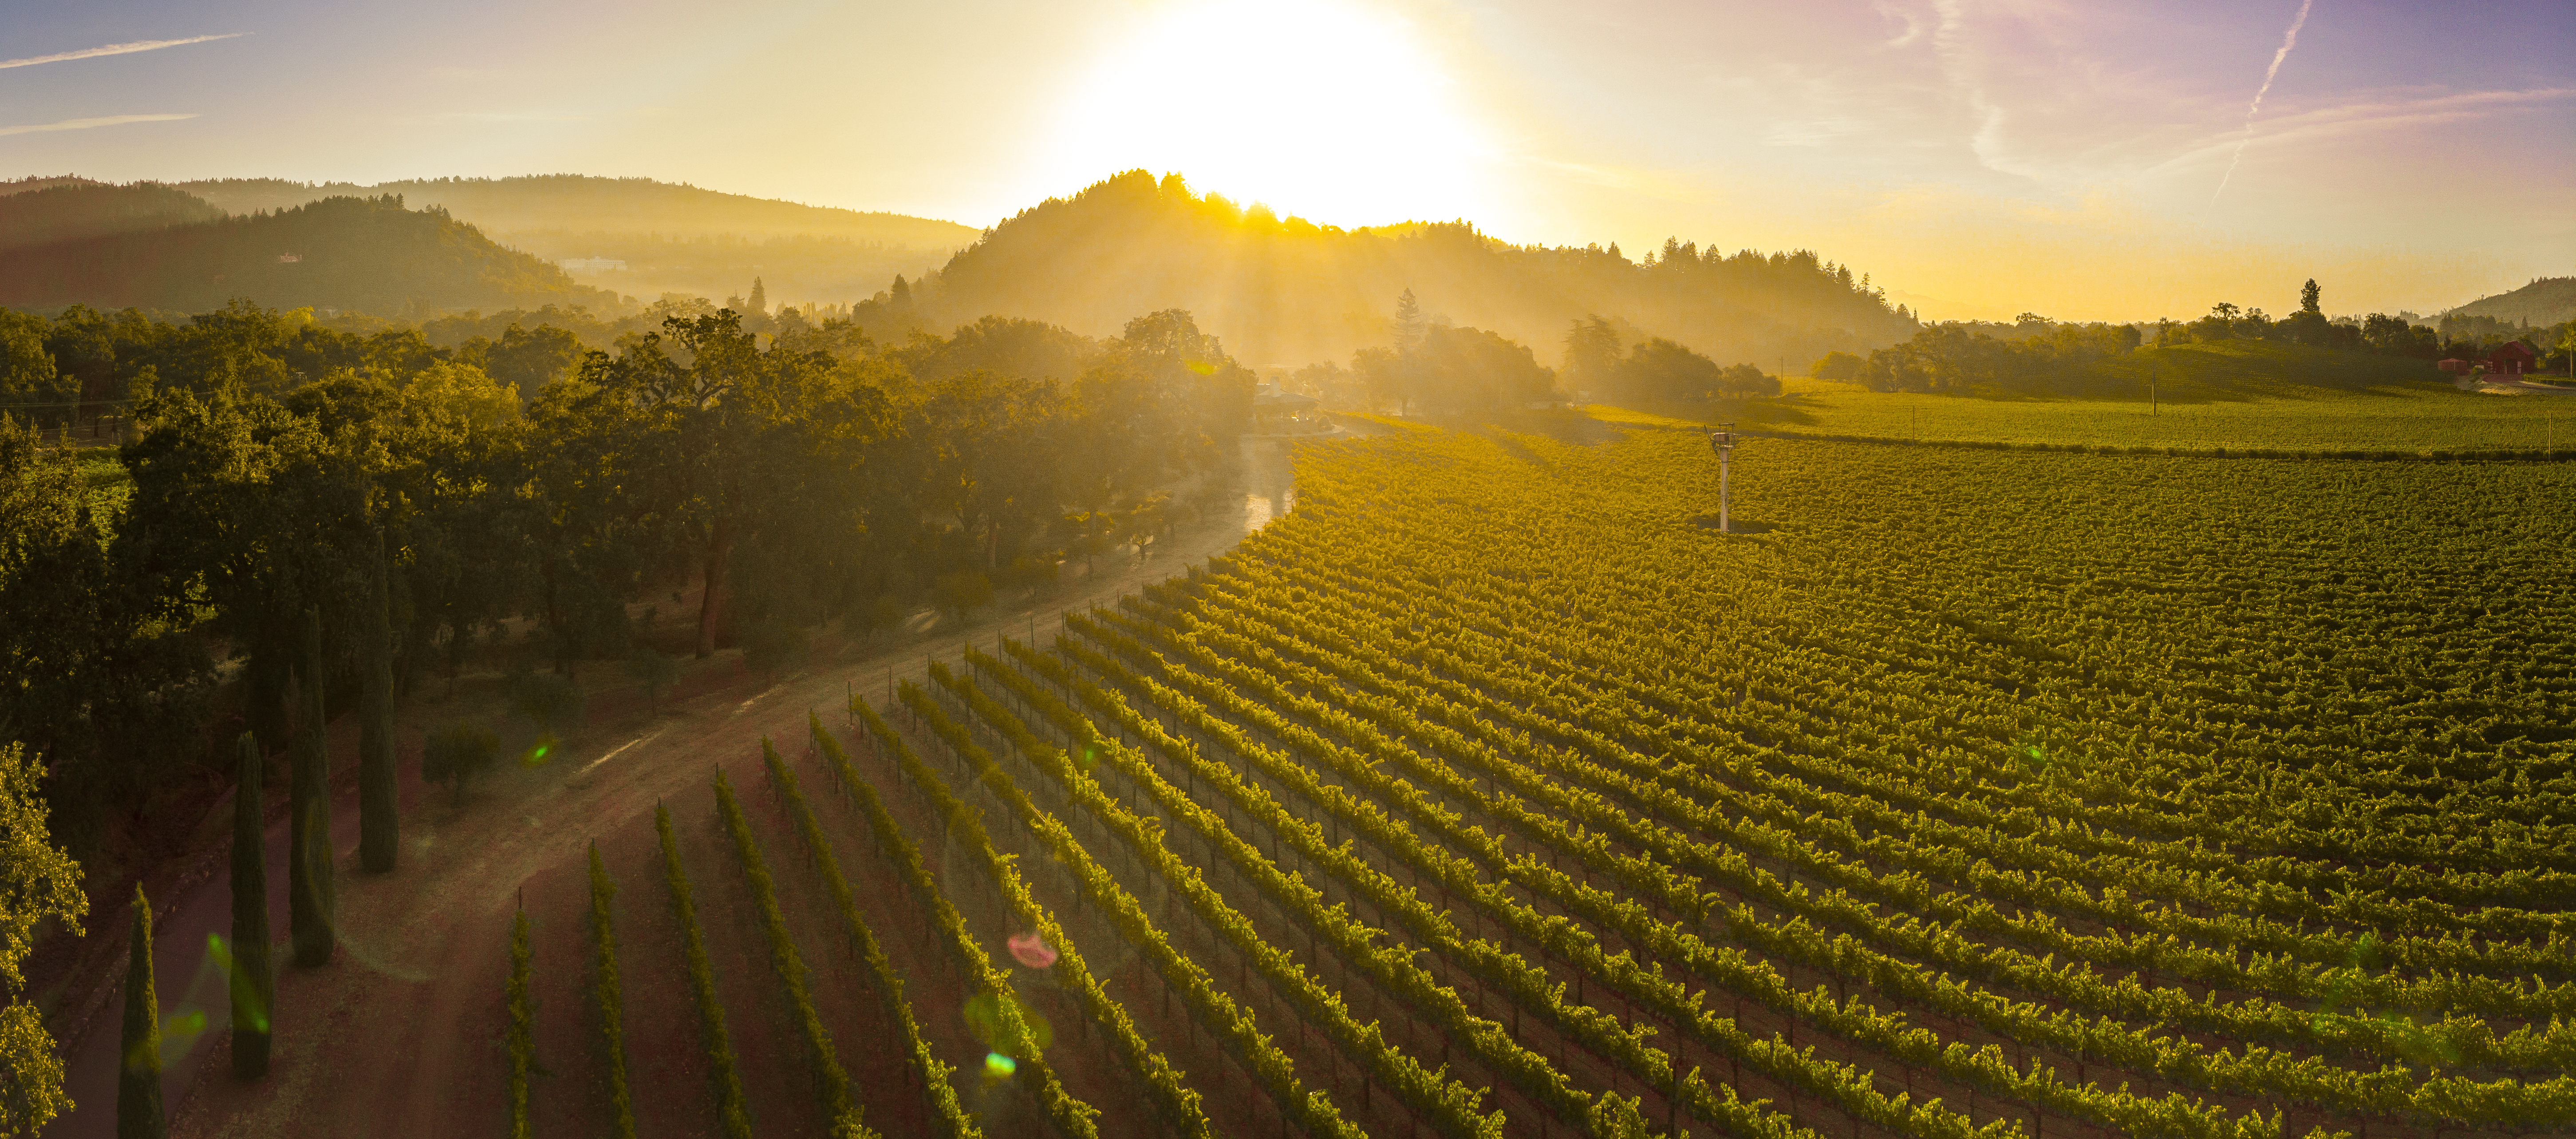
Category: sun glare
[1320,110]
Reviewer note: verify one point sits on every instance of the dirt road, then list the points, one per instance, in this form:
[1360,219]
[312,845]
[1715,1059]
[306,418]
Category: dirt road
[399,1034]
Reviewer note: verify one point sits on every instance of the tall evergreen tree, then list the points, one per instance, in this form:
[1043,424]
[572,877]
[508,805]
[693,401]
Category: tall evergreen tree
[379,812]
[1408,322]
[759,298]
[308,862]
[2309,296]
[254,981]
[138,1079]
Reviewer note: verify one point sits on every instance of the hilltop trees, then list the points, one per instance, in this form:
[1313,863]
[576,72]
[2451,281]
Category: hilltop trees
[1285,289]
[1656,370]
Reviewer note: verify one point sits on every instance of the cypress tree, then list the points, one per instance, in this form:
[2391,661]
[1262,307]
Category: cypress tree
[308,860]
[254,982]
[379,814]
[138,1079]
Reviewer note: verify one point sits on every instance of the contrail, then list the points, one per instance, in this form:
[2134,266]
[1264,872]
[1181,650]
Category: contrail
[113,49]
[85,124]
[2287,42]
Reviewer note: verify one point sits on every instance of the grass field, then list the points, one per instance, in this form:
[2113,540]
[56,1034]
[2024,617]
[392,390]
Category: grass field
[2237,396]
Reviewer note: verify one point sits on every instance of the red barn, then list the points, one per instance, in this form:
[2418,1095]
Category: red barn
[2511,358]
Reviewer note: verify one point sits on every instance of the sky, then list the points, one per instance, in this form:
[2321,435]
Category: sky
[2108,161]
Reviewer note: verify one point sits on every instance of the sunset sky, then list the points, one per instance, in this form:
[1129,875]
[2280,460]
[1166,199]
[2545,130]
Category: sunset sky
[1977,159]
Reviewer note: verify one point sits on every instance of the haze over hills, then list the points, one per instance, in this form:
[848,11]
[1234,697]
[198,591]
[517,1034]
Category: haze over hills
[1284,292]
[71,209]
[673,238]
[2548,300]
[370,255]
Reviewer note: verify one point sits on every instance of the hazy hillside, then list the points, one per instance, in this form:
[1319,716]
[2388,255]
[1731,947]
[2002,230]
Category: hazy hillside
[42,182]
[1286,292]
[368,255]
[673,238]
[72,210]
[2548,300]
[573,203]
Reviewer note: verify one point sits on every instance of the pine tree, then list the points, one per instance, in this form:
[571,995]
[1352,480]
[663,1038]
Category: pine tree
[254,982]
[2308,297]
[138,1079]
[308,862]
[379,813]
[759,298]
[1408,322]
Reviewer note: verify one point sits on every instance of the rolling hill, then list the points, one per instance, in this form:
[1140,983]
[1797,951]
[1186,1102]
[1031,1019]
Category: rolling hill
[68,210]
[2546,301]
[1286,292]
[366,254]
[671,237]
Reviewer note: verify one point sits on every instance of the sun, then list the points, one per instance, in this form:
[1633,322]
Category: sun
[1321,110]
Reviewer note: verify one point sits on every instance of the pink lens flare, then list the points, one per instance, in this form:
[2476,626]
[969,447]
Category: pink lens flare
[1032,951]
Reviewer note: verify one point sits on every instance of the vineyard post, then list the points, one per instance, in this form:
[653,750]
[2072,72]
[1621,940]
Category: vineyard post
[1722,442]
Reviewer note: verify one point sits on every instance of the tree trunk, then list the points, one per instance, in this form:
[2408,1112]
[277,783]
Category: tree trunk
[379,813]
[711,606]
[308,862]
[138,1079]
[254,983]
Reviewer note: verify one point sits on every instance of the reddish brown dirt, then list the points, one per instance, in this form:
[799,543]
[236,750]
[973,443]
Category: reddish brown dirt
[401,1034]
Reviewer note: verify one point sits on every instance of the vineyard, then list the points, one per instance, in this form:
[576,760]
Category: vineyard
[1493,793]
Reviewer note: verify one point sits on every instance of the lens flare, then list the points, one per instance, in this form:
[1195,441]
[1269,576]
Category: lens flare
[999,1066]
[1031,950]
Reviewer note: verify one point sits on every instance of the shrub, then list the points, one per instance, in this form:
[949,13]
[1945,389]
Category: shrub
[454,753]
[964,590]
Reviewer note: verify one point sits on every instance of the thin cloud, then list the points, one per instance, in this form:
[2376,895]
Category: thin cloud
[85,124]
[113,49]
[2287,42]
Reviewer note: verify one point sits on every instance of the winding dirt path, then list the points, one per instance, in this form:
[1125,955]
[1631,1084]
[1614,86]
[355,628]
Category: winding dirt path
[400,1035]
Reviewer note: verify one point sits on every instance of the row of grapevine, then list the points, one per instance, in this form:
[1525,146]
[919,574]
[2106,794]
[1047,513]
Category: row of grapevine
[2090,853]
[1780,1060]
[2258,1071]
[608,997]
[2468,1040]
[731,1109]
[1449,1103]
[888,985]
[1070,1116]
[832,1084]
[1178,971]
[1329,923]
[1871,792]
[522,1031]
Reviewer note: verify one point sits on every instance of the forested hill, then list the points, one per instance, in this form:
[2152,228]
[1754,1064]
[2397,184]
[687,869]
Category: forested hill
[366,254]
[573,203]
[73,210]
[2548,300]
[1286,292]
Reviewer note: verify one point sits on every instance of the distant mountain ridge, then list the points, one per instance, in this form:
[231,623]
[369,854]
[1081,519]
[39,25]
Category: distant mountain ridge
[1285,292]
[2545,301]
[68,210]
[369,255]
[577,203]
